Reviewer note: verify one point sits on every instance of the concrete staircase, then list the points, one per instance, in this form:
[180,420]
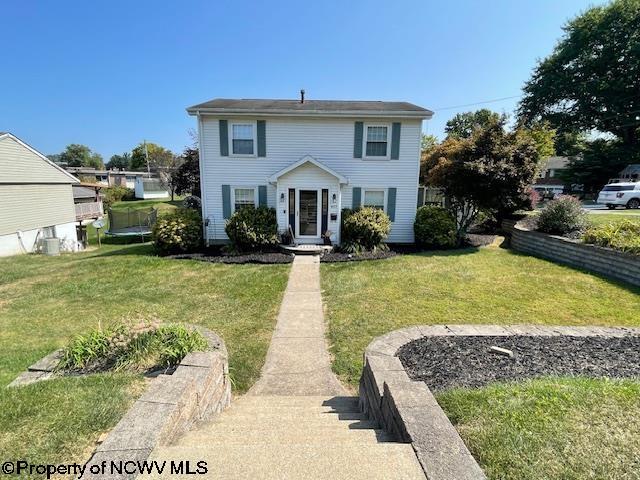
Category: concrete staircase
[296,422]
[294,437]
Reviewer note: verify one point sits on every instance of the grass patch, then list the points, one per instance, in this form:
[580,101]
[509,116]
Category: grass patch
[483,286]
[605,218]
[551,428]
[45,301]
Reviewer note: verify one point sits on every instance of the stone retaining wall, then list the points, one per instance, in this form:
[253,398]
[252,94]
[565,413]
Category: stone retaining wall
[408,408]
[199,388]
[605,261]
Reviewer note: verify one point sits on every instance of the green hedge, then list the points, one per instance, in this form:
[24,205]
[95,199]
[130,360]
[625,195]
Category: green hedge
[562,216]
[253,229]
[178,232]
[364,229]
[434,227]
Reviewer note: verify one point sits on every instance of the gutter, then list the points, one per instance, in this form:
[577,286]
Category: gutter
[311,113]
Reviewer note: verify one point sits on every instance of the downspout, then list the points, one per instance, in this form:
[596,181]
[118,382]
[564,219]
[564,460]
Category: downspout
[203,200]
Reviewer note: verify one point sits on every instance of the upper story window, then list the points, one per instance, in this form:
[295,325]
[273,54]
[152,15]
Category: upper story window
[243,198]
[377,141]
[373,198]
[242,138]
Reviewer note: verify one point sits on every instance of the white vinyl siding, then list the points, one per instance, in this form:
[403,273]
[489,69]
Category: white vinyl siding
[25,207]
[330,141]
[18,164]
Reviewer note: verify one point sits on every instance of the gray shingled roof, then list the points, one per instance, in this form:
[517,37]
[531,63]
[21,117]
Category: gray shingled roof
[322,107]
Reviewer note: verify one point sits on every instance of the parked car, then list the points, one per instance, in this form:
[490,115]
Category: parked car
[625,194]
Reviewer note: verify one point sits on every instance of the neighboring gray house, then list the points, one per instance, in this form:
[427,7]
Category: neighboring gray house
[549,181]
[309,159]
[36,199]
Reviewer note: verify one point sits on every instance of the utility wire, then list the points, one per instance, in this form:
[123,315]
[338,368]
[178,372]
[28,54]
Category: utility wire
[477,103]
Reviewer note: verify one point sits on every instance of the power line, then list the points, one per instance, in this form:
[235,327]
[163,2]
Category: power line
[477,103]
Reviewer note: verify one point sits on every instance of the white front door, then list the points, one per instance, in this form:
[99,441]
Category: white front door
[308,212]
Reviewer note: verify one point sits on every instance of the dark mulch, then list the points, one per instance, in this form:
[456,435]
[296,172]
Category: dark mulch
[261,258]
[480,239]
[447,362]
[335,257]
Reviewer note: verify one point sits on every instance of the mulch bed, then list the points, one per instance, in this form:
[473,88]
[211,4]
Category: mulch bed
[335,257]
[448,362]
[261,258]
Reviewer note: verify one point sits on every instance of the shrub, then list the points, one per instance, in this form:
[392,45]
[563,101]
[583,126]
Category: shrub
[178,232]
[434,227]
[365,229]
[562,215]
[251,229]
[116,194]
[143,347]
[192,202]
[623,236]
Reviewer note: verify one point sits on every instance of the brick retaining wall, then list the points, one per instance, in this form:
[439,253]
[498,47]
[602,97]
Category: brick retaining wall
[605,261]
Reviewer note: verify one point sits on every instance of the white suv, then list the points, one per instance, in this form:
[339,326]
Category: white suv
[624,194]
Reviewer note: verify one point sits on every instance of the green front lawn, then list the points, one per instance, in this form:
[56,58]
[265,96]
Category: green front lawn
[564,429]
[601,218]
[44,301]
[485,286]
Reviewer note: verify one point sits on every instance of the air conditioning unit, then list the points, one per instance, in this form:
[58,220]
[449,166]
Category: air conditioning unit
[51,246]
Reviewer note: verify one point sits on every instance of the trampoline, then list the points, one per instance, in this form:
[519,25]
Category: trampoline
[131,222]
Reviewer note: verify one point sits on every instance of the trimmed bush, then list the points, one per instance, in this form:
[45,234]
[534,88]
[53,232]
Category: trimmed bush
[253,229]
[434,227]
[178,232]
[192,202]
[139,348]
[364,229]
[561,216]
[623,236]
[116,194]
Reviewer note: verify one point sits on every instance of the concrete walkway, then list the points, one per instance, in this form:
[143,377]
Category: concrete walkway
[296,422]
[298,362]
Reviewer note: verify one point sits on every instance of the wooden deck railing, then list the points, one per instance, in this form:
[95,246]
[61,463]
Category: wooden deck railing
[85,211]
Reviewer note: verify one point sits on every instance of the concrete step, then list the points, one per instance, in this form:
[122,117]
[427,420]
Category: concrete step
[317,436]
[279,423]
[271,462]
[259,408]
[294,400]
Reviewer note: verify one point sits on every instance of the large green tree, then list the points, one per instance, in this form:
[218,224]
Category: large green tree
[186,178]
[120,161]
[76,155]
[462,125]
[599,161]
[591,80]
[159,157]
[492,170]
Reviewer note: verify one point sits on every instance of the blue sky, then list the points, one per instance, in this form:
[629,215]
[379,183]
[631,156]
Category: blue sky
[110,74]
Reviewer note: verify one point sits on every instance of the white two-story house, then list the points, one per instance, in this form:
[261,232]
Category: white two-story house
[309,159]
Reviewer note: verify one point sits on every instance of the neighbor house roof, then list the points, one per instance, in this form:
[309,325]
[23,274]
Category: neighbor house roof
[310,108]
[557,163]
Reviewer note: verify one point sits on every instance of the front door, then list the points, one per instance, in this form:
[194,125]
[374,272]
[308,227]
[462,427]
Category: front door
[308,213]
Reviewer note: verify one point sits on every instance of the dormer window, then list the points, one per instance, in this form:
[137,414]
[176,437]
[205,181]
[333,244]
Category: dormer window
[243,138]
[377,141]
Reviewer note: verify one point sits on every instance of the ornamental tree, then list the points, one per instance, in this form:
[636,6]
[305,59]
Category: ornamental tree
[492,170]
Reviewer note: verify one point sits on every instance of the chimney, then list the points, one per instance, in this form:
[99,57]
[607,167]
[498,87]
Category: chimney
[302,96]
